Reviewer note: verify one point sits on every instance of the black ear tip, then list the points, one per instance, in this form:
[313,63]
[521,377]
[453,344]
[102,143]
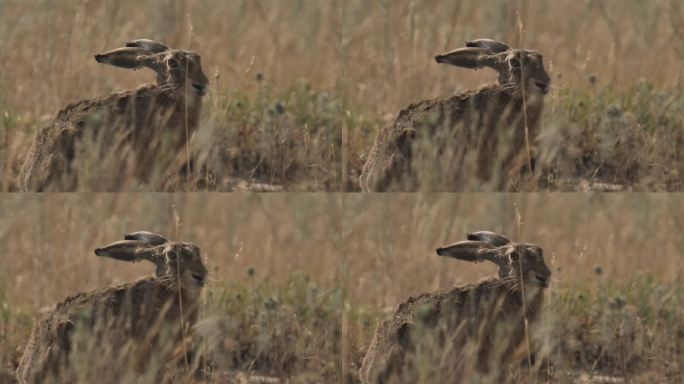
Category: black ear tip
[99,251]
[441,251]
[99,58]
[439,58]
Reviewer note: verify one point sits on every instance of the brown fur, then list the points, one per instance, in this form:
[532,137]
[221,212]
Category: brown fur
[144,129]
[481,130]
[464,331]
[122,329]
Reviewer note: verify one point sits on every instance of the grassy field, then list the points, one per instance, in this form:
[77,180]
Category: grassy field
[272,305]
[272,114]
[299,91]
[301,87]
[299,281]
[614,113]
[614,307]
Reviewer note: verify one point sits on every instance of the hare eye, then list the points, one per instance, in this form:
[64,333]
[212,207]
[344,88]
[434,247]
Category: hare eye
[515,63]
[198,278]
[171,256]
[174,64]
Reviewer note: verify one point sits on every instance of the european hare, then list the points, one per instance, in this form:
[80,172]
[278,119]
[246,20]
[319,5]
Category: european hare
[143,129]
[469,330]
[128,329]
[475,137]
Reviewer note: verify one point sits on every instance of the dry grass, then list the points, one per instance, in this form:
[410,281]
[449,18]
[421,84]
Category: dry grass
[47,58]
[299,281]
[614,114]
[272,262]
[299,90]
[614,307]
[613,120]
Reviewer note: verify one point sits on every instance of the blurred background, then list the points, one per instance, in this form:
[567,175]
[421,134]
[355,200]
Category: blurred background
[300,88]
[47,242]
[391,240]
[272,113]
[389,45]
[613,310]
[272,303]
[47,47]
[614,111]
[298,282]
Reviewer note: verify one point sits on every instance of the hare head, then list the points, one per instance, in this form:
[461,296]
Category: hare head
[518,68]
[522,261]
[178,263]
[176,69]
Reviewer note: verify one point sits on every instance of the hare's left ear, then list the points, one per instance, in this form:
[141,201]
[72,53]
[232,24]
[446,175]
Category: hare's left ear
[471,57]
[476,251]
[132,58]
[131,251]
[475,58]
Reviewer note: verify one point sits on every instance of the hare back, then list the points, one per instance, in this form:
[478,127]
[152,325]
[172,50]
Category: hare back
[132,116]
[139,122]
[475,129]
[116,318]
[443,323]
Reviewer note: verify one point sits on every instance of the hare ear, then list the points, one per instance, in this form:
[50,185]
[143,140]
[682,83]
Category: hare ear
[471,57]
[151,45]
[488,237]
[489,44]
[150,238]
[129,250]
[474,58]
[131,58]
[464,250]
[476,251]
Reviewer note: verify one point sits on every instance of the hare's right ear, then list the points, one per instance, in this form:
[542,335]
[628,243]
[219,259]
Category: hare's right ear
[150,238]
[150,45]
[488,237]
[130,250]
[492,45]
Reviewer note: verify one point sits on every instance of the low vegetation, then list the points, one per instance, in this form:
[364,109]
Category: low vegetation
[269,140]
[593,138]
[605,332]
[254,329]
